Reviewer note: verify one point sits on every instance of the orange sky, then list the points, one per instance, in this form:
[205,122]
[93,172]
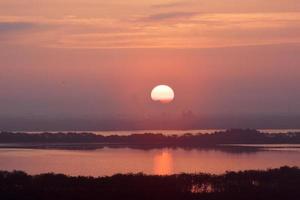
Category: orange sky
[102,58]
[156,23]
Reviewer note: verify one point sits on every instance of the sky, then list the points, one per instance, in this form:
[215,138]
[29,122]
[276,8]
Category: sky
[101,59]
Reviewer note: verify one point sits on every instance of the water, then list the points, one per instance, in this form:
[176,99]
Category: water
[109,161]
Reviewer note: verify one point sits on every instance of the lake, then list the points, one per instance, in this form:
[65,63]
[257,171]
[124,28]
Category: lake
[108,161]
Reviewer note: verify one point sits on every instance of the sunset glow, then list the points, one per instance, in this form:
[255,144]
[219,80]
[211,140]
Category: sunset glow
[97,59]
[143,24]
[139,99]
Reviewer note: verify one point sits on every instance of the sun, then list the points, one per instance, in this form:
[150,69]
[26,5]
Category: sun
[162,94]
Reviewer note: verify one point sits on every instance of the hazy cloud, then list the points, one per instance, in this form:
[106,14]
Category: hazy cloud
[170,5]
[168,15]
[155,29]
[16,26]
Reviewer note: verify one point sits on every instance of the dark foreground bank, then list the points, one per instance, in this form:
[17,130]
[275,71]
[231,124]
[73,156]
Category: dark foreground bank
[283,183]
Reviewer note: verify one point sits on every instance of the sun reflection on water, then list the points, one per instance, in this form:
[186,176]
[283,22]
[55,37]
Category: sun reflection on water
[163,163]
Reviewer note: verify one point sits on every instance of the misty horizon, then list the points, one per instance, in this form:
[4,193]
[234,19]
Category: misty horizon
[162,122]
[108,84]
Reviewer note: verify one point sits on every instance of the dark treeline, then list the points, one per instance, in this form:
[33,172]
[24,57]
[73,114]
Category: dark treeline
[233,136]
[275,184]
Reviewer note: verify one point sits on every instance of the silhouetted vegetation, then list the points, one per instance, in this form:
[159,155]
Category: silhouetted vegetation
[275,184]
[234,136]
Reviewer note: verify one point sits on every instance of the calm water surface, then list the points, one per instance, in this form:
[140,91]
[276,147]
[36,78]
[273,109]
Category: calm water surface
[109,161]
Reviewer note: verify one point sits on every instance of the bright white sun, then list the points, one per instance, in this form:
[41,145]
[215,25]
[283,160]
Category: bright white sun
[163,94]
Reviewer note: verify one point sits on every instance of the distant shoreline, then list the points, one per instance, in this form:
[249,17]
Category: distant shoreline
[154,131]
[234,137]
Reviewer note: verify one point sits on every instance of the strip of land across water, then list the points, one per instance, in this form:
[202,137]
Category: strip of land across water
[233,138]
